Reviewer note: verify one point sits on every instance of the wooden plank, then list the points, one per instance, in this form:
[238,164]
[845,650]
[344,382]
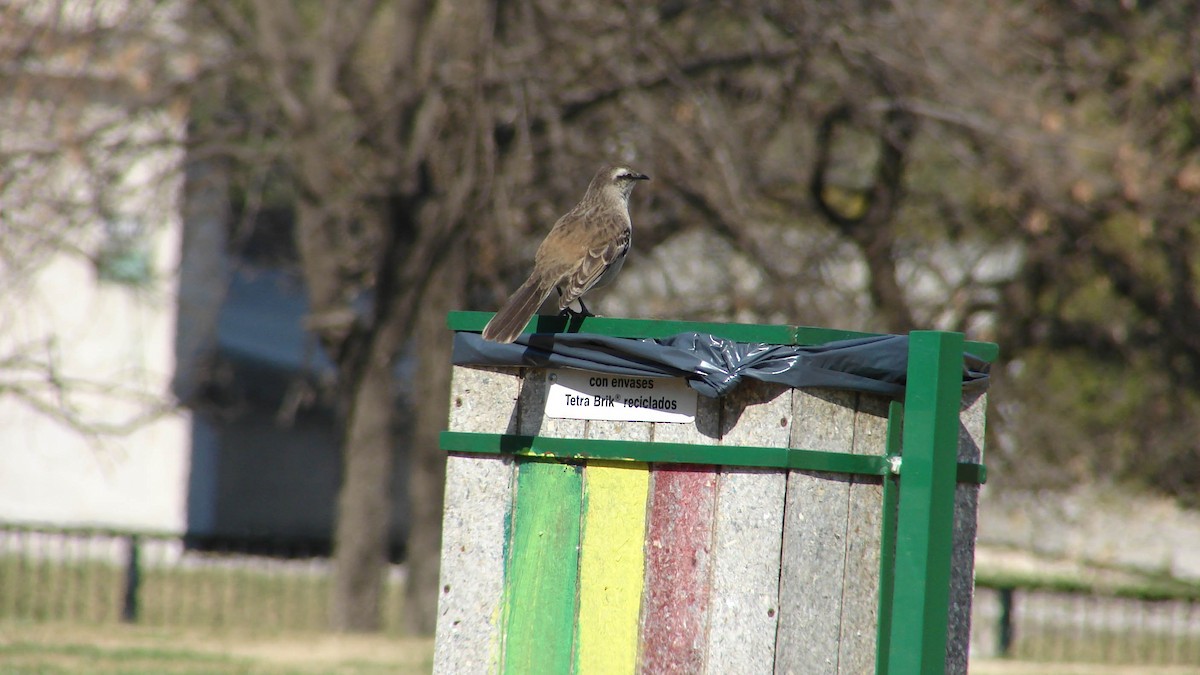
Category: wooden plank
[483,399]
[532,410]
[612,560]
[474,526]
[542,577]
[705,430]
[656,622]
[747,541]
[860,590]
[678,561]
[966,514]
[658,452]
[612,566]
[541,574]
[814,538]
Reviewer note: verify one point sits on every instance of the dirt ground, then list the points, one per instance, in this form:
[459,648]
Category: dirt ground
[55,648]
[132,650]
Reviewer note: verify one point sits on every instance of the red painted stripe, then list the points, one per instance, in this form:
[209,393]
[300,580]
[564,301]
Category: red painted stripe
[678,562]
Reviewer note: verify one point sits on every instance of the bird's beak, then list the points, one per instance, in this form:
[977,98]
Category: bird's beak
[640,176]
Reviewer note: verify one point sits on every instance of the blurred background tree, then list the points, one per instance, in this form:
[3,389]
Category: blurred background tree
[91,142]
[1026,172]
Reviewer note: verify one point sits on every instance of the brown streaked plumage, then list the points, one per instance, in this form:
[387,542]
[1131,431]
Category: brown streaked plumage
[584,249]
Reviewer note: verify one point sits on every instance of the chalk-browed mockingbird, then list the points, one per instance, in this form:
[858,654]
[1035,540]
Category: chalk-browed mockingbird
[585,248]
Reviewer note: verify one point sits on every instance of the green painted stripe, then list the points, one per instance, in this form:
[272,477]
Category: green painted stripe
[542,572]
[813,335]
[988,351]
[775,334]
[676,453]
[632,328]
[887,573]
[887,540]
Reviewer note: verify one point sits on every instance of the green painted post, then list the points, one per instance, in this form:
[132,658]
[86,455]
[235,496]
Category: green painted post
[924,531]
[887,539]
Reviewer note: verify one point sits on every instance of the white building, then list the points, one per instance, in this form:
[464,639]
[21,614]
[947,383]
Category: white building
[90,187]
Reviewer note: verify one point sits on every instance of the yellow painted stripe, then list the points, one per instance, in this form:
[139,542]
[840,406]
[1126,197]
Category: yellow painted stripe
[611,566]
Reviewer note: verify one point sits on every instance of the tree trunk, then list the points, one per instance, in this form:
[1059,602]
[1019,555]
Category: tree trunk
[427,468]
[873,230]
[364,502]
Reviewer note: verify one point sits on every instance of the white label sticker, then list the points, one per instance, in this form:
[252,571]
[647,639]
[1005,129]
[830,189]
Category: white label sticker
[581,395]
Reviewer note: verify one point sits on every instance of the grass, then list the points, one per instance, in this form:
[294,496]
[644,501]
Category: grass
[54,648]
[1104,645]
[60,613]
[1056,627]
[1017,667]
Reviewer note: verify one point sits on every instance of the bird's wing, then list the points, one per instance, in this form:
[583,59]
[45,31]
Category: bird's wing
[599,258]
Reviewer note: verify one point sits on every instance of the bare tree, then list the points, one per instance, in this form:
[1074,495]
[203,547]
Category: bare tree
[91,126]
[921,163]
[422,143]
[368,110]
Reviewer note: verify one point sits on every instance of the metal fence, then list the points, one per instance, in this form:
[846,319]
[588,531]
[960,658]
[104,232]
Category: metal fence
[103,576]
[1048,626]
[106,576]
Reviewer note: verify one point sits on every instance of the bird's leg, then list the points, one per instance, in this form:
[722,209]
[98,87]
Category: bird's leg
[567,311]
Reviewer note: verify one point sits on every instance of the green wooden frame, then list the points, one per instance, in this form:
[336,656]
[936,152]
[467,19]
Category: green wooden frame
[686,453]
[777,334]
[917,541]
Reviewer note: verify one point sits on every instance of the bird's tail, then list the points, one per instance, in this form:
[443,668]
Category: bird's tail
[512,317]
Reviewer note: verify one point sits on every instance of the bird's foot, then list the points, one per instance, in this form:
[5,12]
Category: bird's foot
[573,314]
